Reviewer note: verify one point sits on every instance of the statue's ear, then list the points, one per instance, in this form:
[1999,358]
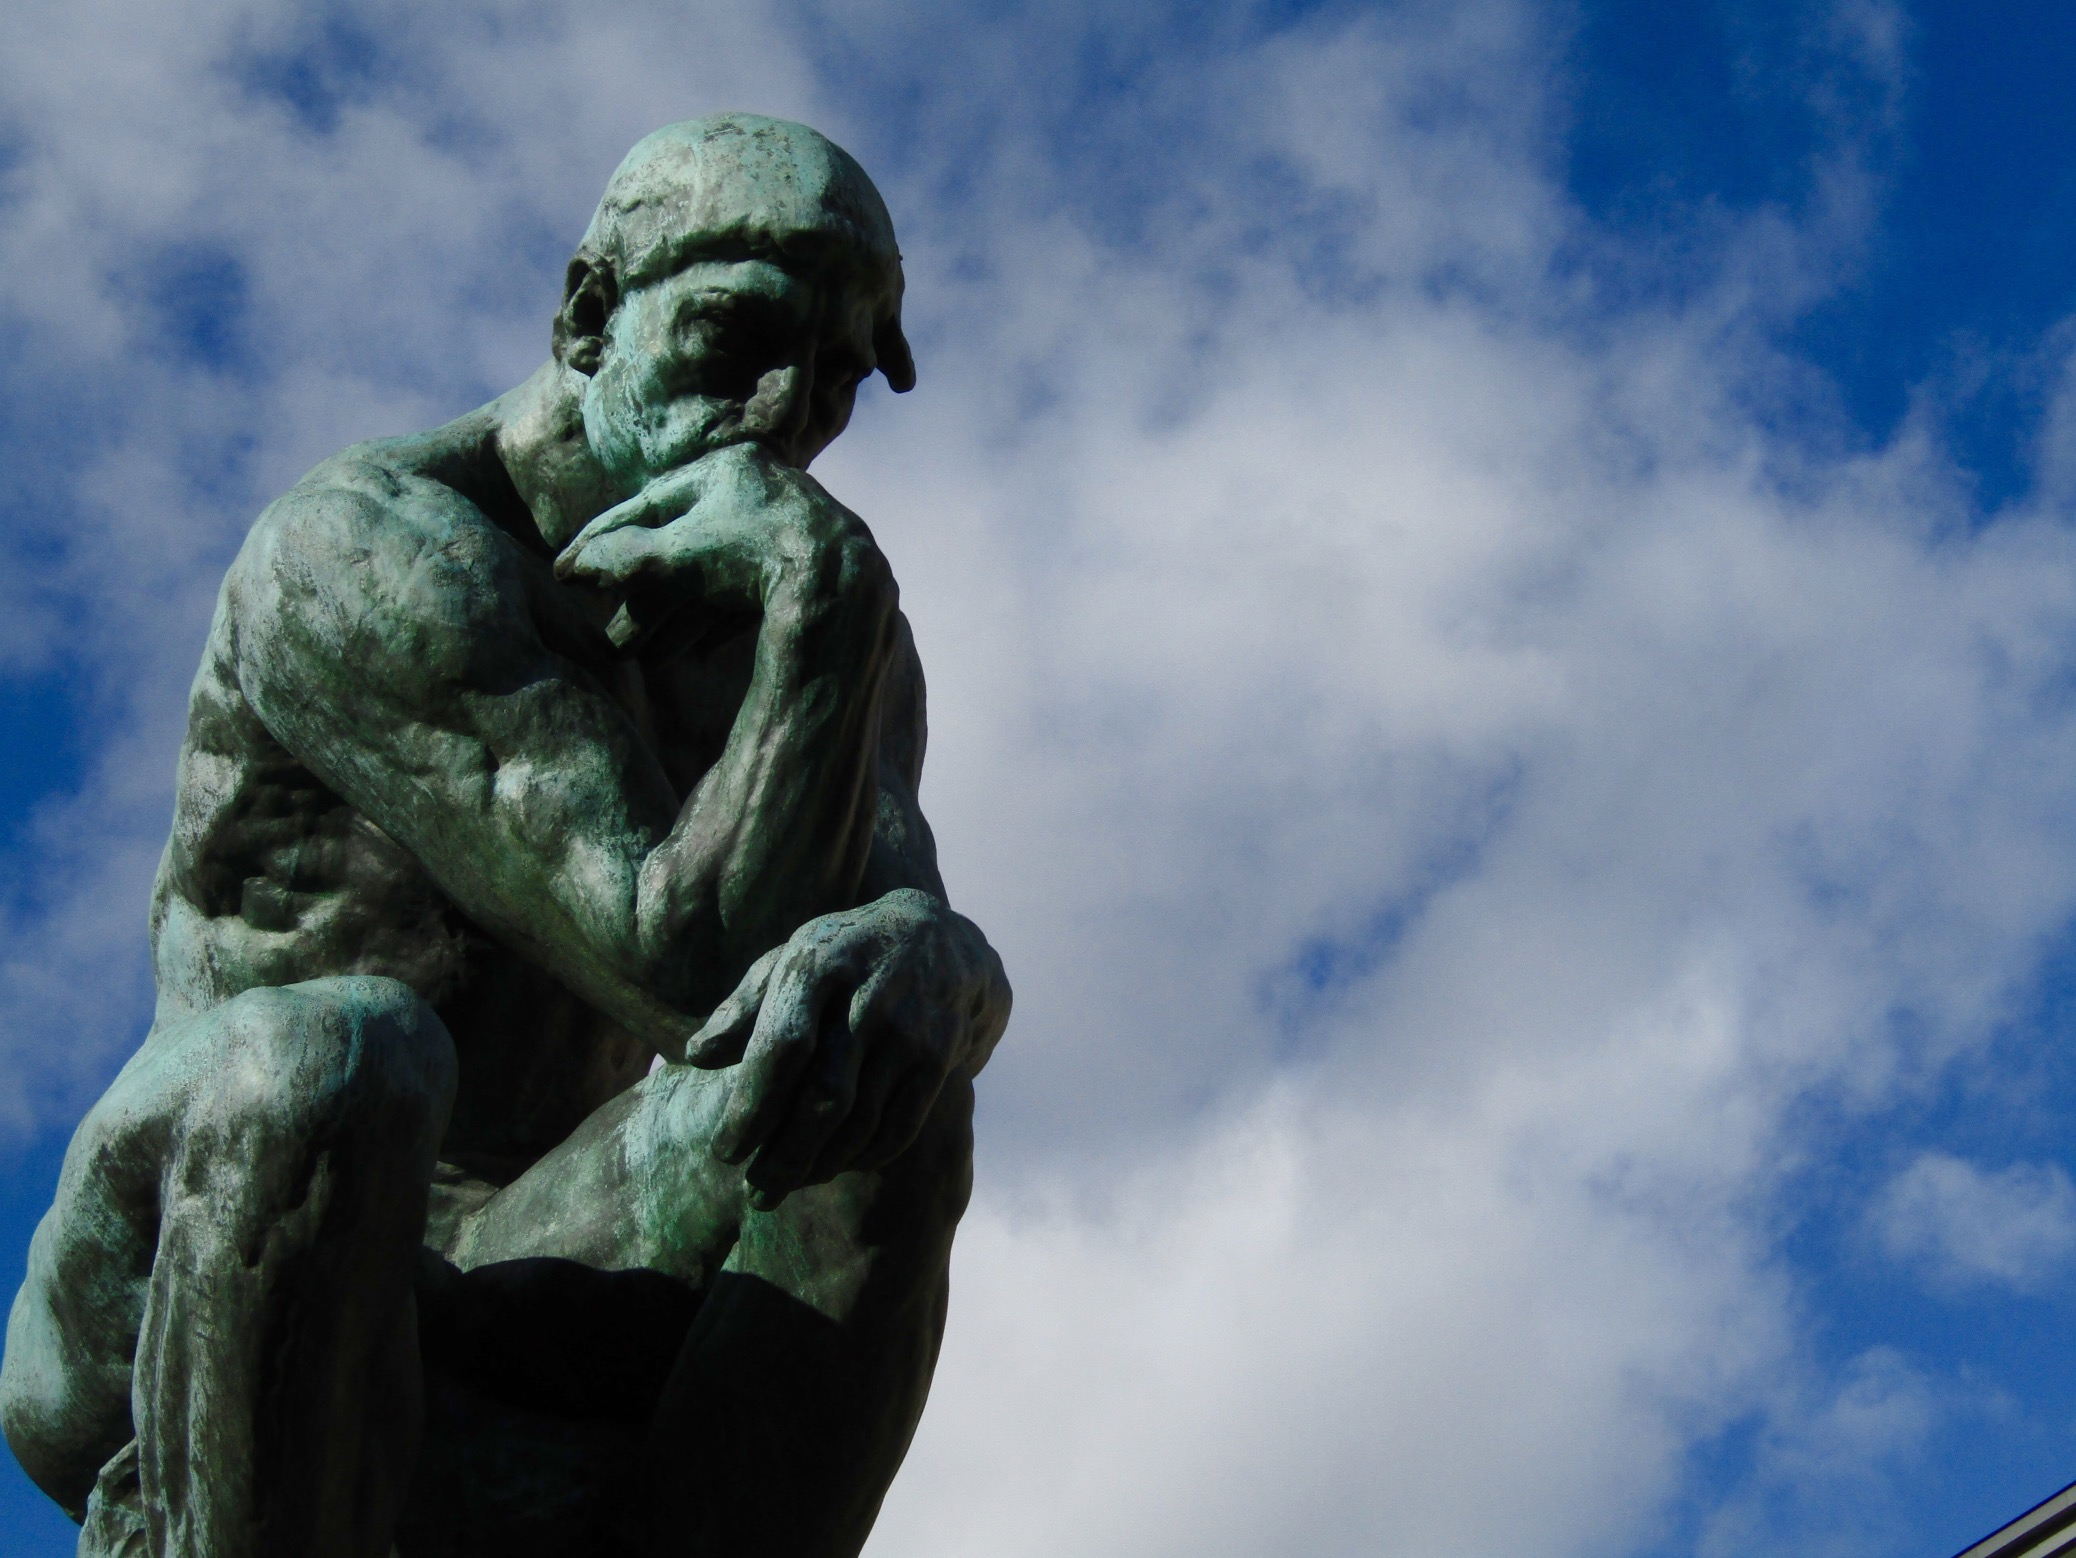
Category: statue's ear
[589,296]
[890,346]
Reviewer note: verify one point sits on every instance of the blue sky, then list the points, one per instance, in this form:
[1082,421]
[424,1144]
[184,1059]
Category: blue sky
[1500,593]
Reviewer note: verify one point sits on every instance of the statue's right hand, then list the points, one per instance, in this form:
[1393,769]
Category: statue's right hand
[841,1039]
[730,530]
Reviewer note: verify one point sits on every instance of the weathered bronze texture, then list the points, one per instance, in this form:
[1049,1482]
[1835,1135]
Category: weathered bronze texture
[582,730]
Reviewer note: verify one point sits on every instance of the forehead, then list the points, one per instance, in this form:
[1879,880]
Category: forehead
[739,188]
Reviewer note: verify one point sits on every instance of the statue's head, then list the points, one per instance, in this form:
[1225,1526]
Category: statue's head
[739,281]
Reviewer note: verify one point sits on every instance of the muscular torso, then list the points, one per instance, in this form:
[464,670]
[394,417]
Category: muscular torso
[270,877]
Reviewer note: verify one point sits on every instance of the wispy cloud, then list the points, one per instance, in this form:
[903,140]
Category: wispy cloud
[1969,1226]
[1337,560]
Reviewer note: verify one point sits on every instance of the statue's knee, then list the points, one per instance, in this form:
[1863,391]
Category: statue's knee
[331,1053]
[396,1045]
[65,1371]
[32,1422]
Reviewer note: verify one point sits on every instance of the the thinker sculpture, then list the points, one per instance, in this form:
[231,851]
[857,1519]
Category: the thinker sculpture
[581,730]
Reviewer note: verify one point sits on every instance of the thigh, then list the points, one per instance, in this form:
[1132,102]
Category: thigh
[634,1187]
[637,1187]
[813,1327]
[267,1067]
[551,1317]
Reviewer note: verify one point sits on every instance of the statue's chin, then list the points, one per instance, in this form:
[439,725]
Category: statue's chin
[637,435]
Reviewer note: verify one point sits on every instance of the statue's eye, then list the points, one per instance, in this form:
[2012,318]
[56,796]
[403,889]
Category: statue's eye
[732,327]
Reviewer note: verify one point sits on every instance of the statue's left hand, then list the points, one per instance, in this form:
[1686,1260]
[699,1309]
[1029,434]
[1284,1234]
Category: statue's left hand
[844,1037]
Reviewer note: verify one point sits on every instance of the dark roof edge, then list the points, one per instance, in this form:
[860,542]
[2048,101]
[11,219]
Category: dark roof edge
[2029,1534]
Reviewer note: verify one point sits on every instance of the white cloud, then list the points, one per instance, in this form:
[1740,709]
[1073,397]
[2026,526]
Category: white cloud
[1316,1330]
[1818,1484]
[1318,574]
[1967,1225]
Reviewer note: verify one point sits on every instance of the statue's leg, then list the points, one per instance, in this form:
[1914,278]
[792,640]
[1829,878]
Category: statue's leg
[796,1392]
[226,1276]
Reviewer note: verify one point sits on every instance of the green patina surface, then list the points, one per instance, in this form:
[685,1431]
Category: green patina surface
[583,730]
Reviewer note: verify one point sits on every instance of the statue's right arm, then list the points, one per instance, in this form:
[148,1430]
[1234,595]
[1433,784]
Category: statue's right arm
[391,641]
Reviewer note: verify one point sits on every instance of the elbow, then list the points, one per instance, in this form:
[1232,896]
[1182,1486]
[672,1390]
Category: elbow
[674,936]
[865,583]
[843,596]
[863,574]
[854,574]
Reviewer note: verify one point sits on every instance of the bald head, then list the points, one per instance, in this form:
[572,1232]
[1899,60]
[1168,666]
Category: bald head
[744,186]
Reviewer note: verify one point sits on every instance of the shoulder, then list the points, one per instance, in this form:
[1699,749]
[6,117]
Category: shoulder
[365,509]
[369,563]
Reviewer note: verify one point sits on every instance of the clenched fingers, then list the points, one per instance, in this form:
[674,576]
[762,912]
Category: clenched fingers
[725,1034]
[821,1104]
[613,561]
[906,1053]
[839,1153]
[656,504]
[780,1047]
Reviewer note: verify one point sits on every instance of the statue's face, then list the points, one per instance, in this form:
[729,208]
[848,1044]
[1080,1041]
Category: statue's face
[725,352]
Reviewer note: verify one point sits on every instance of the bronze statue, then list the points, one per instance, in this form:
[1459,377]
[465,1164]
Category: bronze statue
[583,730]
